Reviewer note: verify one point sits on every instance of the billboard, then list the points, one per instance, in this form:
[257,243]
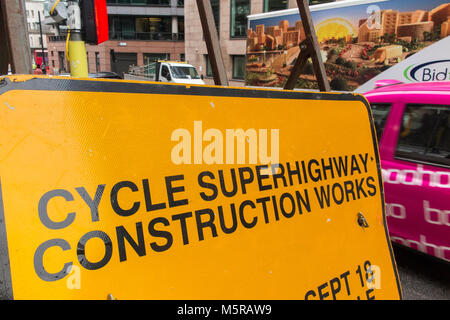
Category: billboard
[358,40]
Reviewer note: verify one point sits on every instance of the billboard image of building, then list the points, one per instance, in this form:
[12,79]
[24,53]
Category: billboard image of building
[358,40]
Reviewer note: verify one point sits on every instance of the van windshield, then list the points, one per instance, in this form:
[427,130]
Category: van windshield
[184,72]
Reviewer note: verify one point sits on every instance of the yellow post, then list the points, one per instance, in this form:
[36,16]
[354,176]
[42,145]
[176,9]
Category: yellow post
[77,56]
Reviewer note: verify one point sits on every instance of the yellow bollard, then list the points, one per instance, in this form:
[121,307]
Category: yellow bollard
[77,56]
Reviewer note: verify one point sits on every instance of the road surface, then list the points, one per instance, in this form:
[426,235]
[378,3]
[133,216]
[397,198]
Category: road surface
[422,277]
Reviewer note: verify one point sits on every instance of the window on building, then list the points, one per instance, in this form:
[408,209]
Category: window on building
[313,2]
[122,27]
[274,5]
[238,67]
[208,66]
[240,9]
[158,2]
[87,61]
[97,61]
[141,28]
[180,22]
[152,57]
[182,57]
[380,113]
[215,5]
[425,134]
[62,62]
[154,28]
[139,2]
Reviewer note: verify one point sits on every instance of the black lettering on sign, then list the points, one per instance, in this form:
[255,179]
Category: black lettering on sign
[316,174]
[324,197]
[245,180]
[39,260]
[354,165]
[239,213]
[310,293]
[138,247]
[171,190]
[182,217]
[246,224]
[303,200]
[82,246]
[327,167]
[43,213]
[371,186]
[160,234]
[295,172]
[92,203]
[338,197]
[348,186]
[360,189]
[344,276]
[225,229]
[335,286]
[341,166]
[207,185]
[287,214]
[115,205]
[323,295]
[364,161]
[260,177]
[148,199]
[263,202]
[204,224]
[279,175]
[223,187]
[369,294]
[275,208]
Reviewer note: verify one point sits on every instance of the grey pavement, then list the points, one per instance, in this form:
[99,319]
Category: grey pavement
[422,277]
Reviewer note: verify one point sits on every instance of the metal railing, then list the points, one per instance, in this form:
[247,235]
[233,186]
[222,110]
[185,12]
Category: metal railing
[149,36]
[143,36]
[57,38]
[138,3]
[147,70]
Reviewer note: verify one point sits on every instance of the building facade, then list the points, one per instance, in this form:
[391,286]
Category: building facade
[140,31]
[34,9]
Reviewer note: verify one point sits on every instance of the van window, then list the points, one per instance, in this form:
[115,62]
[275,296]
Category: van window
[425,134]
[380,113]
[164,71]
[184,72]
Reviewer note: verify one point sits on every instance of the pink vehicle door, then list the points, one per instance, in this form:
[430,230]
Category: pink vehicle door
[415,160]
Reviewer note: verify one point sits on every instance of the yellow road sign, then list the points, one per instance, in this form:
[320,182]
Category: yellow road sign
[155,191]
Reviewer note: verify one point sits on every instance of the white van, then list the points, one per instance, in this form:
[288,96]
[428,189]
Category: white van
[166,71]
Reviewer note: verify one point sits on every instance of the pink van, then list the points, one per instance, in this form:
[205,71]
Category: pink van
[413,128]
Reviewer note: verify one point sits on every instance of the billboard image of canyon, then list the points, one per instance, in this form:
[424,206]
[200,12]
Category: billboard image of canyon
[357,42]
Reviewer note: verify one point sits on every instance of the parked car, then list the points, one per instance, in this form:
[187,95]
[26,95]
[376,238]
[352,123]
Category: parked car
[413,128]
[105,75]
[102,75]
